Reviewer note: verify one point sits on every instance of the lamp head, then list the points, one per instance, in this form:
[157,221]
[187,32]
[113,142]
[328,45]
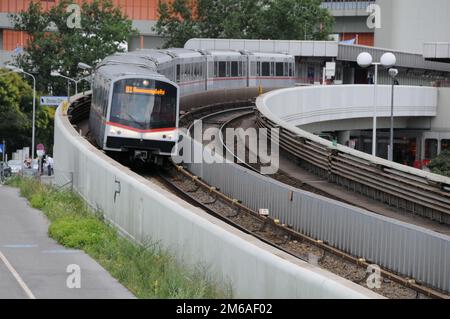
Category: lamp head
[364,59]
[393,73]
[84,66]
[13,68]
[388,60]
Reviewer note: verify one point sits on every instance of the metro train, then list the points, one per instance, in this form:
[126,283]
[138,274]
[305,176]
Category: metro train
[136,95]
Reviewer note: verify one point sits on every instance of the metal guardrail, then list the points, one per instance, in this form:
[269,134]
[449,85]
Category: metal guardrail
[347,5]
[411,192]
[400,247]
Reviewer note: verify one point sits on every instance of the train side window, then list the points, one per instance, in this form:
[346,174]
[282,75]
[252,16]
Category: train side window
[291,69]
[431,148]
[445,145]
[178,73]
[222,69]
[234,69]
[258,68]
[265,68]
[279,69]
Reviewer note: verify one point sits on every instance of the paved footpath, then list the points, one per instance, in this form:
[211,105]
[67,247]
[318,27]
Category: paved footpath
[34,266]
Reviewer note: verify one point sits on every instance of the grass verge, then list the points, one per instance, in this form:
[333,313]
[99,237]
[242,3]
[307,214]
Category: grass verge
[147,271]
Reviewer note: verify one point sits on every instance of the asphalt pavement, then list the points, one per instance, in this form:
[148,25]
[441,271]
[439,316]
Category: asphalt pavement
[34,266]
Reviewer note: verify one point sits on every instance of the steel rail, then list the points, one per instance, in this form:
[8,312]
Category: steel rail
[407,282]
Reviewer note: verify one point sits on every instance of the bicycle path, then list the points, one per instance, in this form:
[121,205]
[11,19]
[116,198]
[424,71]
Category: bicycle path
[34,266]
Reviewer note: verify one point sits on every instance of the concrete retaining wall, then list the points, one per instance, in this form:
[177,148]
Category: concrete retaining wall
[143,210]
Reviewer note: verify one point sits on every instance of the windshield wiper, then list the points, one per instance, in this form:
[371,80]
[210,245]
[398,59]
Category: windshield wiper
[142,125]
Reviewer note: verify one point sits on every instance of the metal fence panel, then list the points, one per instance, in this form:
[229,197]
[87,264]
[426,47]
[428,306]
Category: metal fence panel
[407,249]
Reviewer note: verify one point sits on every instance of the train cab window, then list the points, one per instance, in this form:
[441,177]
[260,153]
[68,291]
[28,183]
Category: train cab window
[431,148]
[234,69]
[144,104]
[265,68]
[105,103]
[222,69]
[279,69]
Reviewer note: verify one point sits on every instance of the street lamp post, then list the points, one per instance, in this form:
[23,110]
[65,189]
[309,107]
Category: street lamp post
[393,74]
[18,70]
[365,60]
[57,74]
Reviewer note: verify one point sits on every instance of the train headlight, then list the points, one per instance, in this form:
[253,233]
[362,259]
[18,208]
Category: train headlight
[114,131]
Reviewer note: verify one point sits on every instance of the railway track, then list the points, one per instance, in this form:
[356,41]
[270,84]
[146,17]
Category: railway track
[269,230]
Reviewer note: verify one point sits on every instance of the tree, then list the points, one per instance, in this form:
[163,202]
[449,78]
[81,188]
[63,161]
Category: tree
[16,107]
[441,164]
[56,43]
[181,20]
[297,20]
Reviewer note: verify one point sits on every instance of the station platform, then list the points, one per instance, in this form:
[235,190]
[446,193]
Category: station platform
[34,266]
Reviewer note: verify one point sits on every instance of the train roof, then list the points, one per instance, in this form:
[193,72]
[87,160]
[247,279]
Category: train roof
[158,56]
[274,55]
[183,53]
[223,53]
[112,71]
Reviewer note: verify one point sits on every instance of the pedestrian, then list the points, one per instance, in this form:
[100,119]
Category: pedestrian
[42,162]
[49,161]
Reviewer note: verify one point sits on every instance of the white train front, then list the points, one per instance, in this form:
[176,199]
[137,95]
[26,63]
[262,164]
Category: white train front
[136,95]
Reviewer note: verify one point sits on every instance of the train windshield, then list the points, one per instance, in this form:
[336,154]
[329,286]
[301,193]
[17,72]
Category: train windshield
[144,104]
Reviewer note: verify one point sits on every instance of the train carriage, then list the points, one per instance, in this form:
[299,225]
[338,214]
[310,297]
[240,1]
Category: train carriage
[135,103]
[135,111]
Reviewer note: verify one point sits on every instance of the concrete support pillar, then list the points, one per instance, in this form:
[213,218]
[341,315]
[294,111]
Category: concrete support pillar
[343,137]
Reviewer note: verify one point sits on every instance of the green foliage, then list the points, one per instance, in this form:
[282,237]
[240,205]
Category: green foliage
[181,20]
[78,232]
[441,164]
[103,28]
[148,271]
[16,109]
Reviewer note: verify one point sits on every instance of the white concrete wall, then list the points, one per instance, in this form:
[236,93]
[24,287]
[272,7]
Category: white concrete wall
[144,210]
[292,107]
[300,106]
[408,24]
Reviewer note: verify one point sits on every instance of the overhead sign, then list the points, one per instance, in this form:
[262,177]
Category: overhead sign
[52,100]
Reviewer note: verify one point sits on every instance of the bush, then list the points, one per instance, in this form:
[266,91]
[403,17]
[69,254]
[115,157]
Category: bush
[441,164]
[147,271]
[75,232]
